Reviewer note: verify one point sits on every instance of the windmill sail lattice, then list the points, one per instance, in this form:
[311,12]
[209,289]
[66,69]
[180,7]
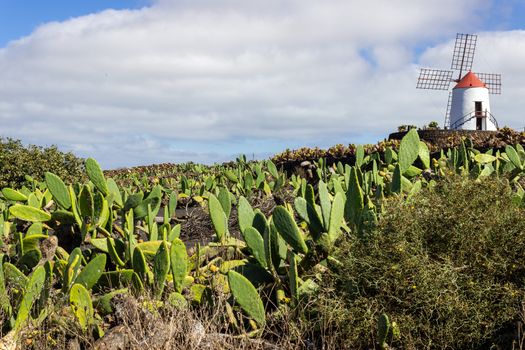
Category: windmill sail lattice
[492,81]
[434,79]
[463,55]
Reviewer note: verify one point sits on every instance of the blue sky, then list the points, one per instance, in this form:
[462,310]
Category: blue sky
[19,18]
[204,80]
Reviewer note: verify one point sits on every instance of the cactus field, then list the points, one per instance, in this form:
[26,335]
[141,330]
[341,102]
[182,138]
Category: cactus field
[248,240]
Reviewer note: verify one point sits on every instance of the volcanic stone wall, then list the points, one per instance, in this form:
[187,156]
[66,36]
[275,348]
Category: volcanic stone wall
[439,136]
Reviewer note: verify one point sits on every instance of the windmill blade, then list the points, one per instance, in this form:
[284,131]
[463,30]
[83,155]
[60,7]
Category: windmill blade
[434,79]
[464,52]
[447,112]
[491,81]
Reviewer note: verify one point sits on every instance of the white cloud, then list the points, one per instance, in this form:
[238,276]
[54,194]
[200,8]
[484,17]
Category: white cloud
[202,80]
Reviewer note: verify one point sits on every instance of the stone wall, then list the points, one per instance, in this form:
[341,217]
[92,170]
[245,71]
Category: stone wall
[438,136]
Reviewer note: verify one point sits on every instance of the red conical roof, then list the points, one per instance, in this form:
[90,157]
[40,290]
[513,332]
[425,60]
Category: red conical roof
[469,80]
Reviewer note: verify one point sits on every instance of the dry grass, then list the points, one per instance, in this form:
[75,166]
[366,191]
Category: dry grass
[446,266]
[142,324]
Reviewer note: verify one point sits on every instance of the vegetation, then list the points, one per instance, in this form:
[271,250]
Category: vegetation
[445,266]
[21,165]
[244,251]
[482,141]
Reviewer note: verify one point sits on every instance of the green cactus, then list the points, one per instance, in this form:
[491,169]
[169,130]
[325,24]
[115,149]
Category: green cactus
[86,205]
[71,269]
[484,158]
[129,231]
[288,229]
[424,154]
[218,218]
[247,297]
[31,294]
[464,158]
[103,303]
[82,306]
[28,213]
[174,233]
[326,205]
[272,169]
[149,205]
[139,263]
[5,306]
[514,157]
[230,175]
[14,277]
[336,216]
[359,156]
[74,207]
[161,267]
[119,279]
[245,213]
[225,200]
[58,189]
[13,195]
[172,204]
[114,192]
[101,210]
[30,258]
[293,276]
[277,247]
[383,330]
[33,201]
[396,185]
[179,263]
[308,213]
[177,300]
[255,243]
[133,201]
[96,175]
[90,274]
[408,150]
[259,221]
[116,249]
[354,199]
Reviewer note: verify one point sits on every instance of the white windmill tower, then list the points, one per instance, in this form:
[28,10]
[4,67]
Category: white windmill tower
[468,103]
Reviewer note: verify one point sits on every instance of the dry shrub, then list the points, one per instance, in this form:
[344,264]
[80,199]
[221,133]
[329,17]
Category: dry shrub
[144,323]
[446,266]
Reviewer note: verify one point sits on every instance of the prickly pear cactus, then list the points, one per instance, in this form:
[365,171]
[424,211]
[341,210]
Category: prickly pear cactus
[254,241]
[218,218]
[336,216]
[139,263]
[32,293]
[29,213]
[81,305]
[96,175]
[383,329]
[247,297]
[58,189]
[179,263]
[14,195]
[288,229]
[293,277]
[408,150]
[245,213]
[161,267]
[92,271]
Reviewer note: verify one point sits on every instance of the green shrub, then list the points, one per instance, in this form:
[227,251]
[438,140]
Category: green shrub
[17,161]
[447,267]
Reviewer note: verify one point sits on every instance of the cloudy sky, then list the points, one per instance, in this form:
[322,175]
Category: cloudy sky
[148,81]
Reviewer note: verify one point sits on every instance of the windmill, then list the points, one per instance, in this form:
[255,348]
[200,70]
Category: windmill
[468,105]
